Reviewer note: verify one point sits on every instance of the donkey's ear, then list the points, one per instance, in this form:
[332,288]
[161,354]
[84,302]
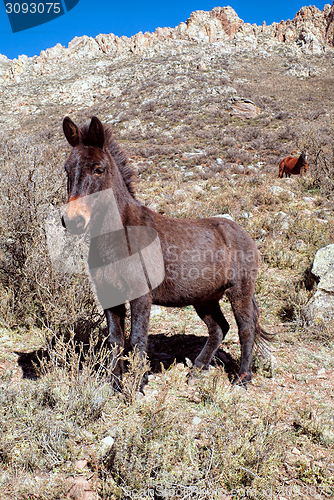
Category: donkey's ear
[71,131]
[96,133]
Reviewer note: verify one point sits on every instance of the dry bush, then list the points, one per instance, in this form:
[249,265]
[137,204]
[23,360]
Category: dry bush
[227,141]
[158,445]
[45,423]
[316,425]
[33,292]
[295,298]
[319,144]
[323,170]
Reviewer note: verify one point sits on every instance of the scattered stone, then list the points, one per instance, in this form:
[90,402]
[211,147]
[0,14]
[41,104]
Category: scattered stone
[80,489]
[189,362]
[323,267]
[300,244]
[306,212]
[225,216]
[279,191]
[295,451]
[179,194]
[286,220]
[202,66]
[321,373]
[246,215]
[80,464]
[310,201]
[194,154]
[155,310]
[106,444]
[198,189]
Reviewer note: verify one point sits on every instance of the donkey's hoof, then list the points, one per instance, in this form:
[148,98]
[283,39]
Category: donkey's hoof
[241,380]
[144,382]
[200,365]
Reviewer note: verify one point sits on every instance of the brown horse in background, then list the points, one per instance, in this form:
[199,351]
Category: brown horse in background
[291,165]
[203,259]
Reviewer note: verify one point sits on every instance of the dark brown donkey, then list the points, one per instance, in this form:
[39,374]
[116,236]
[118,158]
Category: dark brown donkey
[291,165]
[203,259]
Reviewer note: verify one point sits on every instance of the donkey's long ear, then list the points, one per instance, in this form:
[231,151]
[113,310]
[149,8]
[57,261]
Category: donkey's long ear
[71,131]
[96,133]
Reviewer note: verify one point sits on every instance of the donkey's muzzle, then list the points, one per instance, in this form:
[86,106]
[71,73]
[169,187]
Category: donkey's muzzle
[77,225]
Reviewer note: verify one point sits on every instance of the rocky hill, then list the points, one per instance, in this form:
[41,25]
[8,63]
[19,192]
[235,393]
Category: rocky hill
[107,65]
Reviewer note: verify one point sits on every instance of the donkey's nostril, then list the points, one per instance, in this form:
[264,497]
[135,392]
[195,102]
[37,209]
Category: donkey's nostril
[79,222]
[75,225]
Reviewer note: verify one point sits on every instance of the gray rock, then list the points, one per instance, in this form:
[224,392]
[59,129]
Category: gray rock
[179,194]
[106,444]
[279,191]
[155,310]
[225,216]
[323,268]
[322,303]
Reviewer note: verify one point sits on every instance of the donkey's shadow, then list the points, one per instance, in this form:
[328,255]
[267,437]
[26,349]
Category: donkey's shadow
[162,352]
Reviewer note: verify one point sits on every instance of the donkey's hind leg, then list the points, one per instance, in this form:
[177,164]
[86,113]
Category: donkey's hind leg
[246,317]
[140,317]
[218,327]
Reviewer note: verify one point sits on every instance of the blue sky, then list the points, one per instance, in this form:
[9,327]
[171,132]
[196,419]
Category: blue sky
[91,17]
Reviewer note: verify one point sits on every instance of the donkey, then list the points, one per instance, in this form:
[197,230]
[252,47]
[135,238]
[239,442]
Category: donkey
[202,259]
[290,165]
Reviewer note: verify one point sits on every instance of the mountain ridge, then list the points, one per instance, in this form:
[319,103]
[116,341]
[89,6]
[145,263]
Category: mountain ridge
[311,31]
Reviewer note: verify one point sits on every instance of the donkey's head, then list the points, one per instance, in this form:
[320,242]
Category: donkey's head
[89,169]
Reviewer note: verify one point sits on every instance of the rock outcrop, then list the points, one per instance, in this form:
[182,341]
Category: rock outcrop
[322,303]
[243,108]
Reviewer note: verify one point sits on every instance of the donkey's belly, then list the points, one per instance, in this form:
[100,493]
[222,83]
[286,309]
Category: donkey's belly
[190,283]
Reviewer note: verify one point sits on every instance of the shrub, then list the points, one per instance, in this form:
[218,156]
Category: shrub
[32,183]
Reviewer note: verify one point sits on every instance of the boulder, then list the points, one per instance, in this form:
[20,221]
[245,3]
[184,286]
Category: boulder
[321,306]
[244,108]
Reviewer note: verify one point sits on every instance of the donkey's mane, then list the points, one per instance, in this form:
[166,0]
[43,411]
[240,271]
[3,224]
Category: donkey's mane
[116,152]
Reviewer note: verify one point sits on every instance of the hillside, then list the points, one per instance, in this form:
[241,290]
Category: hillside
[205,112]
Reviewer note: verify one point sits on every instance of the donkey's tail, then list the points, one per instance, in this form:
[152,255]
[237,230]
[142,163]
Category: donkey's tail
[262,338]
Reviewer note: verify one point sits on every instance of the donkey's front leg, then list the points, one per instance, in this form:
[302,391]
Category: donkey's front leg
[140,317]
[115,320]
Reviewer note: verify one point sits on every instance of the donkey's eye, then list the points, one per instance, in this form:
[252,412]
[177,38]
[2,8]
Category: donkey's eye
[98,170]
